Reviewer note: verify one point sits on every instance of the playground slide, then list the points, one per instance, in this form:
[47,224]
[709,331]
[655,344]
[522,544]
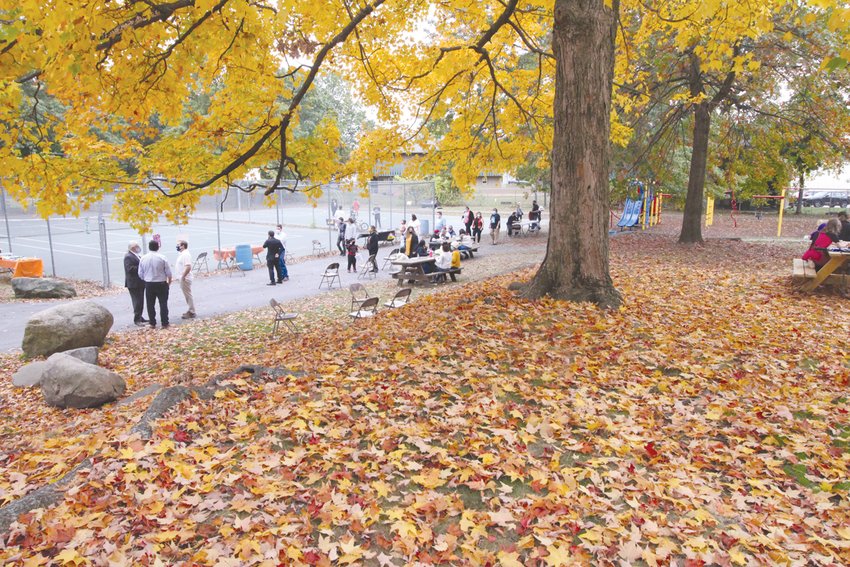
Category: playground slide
[627,213]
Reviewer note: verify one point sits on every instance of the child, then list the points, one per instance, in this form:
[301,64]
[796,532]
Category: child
[351,247]
[821,240]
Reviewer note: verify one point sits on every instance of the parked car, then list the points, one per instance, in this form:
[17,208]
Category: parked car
[430,203]
[826,199]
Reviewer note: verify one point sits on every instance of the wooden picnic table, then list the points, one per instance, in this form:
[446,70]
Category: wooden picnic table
[23,267]
[412,269]
[837,258]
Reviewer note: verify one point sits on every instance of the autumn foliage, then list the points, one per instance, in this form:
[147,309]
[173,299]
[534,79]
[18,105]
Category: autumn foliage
[705,422]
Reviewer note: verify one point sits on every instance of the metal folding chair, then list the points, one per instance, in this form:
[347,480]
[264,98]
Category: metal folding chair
[318,247]
[331,274]
[366,270]
[281,318]
[368,308]
[402,297]
[201,262]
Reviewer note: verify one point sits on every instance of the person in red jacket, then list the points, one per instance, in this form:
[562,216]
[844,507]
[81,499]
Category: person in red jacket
[821,240]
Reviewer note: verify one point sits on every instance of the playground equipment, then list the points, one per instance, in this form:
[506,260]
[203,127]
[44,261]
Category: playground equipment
[643,211]
[709,209]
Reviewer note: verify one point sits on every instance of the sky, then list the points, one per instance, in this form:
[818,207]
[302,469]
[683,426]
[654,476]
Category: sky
[829,180]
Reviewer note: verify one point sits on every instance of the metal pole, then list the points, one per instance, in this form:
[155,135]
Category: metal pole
[50,242]
[217,222]
[434,202]
[392,188]
[277,204]
[104,252]
[369,216]
[330,217]
[6,216]
[404,205]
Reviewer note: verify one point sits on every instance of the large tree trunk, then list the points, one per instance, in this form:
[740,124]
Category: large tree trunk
[692,219]
[576,264]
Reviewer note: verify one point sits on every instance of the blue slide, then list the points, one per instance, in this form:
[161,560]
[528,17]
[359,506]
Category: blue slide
[627,213]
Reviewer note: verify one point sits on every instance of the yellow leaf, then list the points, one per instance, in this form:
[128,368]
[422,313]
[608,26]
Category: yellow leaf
[405,528]
[509,559]
[293,553]
[68,556]
[737,556]
[558,555]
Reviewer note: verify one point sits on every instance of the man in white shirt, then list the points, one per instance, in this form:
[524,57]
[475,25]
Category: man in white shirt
[440,222]
[183,269]
[156,273]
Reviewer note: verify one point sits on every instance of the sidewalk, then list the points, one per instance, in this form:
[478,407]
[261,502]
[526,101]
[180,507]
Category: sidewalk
[225,293]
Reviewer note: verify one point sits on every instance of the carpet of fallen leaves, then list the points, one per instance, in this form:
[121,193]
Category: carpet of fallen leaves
[703,423]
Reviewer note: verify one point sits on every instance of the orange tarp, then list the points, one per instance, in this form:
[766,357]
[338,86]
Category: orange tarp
[24,267]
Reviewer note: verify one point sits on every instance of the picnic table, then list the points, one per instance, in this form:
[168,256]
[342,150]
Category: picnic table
[837,258]
[227,256]
[23,267]
[412,269]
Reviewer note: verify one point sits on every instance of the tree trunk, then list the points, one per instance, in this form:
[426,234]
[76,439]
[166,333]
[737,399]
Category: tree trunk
[692,219]
[800,193]
[576,264]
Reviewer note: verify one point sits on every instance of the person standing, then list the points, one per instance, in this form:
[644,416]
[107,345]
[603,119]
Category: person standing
[156,273]
[467,218]
[477,227]
[414,224]
[376,212]
[495,226]
[133,282]
[351,248]
[280,235]
[340,239]
[439,223]
[372,247]
[183,269]
[273,251]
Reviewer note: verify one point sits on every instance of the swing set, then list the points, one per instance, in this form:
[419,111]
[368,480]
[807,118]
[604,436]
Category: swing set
[709,209]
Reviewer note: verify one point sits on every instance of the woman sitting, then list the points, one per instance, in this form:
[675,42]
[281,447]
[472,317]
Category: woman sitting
[821,240]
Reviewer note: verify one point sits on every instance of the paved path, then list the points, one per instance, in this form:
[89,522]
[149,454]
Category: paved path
[214,295]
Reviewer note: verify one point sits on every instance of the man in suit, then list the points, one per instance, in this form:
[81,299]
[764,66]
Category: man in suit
[274,249]
[133,282]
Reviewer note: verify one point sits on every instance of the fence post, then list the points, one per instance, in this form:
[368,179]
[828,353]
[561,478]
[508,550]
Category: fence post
[104,255]
[6,216]
[50,243]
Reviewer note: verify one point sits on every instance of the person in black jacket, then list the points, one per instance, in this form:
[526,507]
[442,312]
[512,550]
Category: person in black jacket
[372,247]
[133,282]
[274,248]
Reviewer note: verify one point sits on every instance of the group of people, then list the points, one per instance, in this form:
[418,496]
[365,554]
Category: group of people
[148,278]
[834,230]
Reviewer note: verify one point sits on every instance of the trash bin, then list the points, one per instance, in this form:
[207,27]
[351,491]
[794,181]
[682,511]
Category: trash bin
[244,257]
[424,225]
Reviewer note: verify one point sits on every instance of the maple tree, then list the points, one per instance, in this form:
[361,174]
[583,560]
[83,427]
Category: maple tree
[694,61]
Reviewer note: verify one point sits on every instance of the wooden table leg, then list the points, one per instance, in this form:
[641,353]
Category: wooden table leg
[833,264]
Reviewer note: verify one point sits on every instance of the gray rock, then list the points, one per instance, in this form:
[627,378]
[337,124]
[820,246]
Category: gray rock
[29,375]
[66,327]
[71,383]
[86,354]
[42,288]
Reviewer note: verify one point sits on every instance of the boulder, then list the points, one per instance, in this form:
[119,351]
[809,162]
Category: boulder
[29,375]
[42,288]
[86,354]
[68,382]
[66,327]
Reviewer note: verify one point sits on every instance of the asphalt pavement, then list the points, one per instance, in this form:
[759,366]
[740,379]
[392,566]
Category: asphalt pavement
[214,295]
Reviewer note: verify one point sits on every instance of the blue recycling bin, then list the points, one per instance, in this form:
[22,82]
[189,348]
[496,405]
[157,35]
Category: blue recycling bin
[244,257]
[424,226]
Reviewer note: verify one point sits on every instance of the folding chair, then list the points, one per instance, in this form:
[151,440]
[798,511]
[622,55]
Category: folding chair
[367,309]
[366,270]
[359,294]
[389,259]
[402,297]
[318,247]
[282,318]
[201,262]
[331,274]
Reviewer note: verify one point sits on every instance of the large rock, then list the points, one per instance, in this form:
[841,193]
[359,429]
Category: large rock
[68,382]
[86,354]
[42,288]
[65,327]
[29,375]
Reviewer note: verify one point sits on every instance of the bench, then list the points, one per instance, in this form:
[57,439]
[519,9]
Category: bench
[413,277]
[803,269]
[440,277]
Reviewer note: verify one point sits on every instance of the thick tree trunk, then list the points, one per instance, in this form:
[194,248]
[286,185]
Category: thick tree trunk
[692,219]
[576,263]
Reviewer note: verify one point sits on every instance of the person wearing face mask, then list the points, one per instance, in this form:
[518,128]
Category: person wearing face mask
[133,282]
[183,270]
